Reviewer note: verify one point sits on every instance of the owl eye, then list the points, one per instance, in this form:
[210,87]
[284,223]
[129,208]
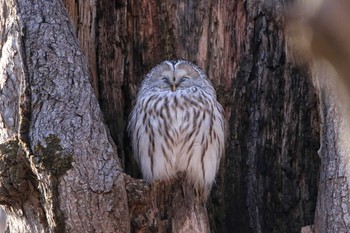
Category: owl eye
[166,80]
[184,78]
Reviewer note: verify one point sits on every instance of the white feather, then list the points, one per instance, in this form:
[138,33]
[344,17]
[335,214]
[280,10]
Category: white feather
[174,120]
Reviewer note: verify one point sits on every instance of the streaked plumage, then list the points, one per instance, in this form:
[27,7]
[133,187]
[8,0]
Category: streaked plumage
[177,125]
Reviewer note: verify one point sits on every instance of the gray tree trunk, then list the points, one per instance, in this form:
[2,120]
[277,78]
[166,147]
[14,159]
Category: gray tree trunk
[328,24]
[67,175]
[333,204]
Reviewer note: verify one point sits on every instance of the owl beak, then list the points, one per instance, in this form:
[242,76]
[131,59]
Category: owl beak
[173,87]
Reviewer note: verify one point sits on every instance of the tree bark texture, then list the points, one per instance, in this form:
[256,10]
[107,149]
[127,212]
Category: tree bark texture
[59,166]
[333,204]
[67,172]
[268,178]
[329,47]
[58,158]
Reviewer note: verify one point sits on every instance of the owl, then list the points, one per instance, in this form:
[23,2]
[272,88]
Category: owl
[177,125]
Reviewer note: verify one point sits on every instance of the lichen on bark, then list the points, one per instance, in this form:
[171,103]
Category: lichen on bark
[9,149]
[15,174]
[52,156]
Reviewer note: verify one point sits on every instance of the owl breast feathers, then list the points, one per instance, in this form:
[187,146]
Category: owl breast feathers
[177,125]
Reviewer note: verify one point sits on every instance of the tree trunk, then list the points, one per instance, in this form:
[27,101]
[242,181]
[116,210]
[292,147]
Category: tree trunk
[327,23]
[268,179]
[333,204]
[57,139]
[60,169]
[69,177]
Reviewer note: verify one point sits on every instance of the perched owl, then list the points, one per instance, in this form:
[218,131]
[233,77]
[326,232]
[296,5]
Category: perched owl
[177,125]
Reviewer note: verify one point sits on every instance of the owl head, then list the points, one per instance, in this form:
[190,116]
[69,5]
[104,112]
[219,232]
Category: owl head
[175,76]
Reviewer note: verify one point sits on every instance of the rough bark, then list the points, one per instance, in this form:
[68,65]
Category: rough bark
[59,166]
[268,179]
[274,131]
[328,40]
[165,207]
[68,176]
[333,203]
[63,152]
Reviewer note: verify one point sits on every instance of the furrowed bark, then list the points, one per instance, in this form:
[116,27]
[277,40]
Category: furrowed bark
[52,133]
[268,178]
[62,141]
[327,33]
[333,203]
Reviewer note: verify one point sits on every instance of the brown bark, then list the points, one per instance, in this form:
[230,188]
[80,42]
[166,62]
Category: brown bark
[60,170]
[69,176]
[268,179]
[165,207]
